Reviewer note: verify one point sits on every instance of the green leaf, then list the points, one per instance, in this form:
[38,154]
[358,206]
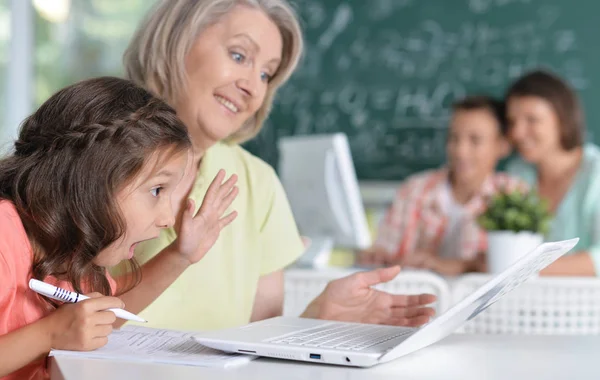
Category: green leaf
[515,211]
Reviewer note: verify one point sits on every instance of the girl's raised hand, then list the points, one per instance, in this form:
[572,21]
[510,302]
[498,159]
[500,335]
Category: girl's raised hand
[197,234]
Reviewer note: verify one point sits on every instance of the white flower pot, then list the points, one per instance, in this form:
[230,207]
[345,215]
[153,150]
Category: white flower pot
[506,247]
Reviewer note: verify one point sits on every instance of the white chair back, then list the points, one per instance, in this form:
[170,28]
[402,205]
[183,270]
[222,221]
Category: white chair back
[542,305]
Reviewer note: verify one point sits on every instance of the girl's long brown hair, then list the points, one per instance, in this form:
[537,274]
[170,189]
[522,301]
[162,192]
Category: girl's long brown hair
[72,156]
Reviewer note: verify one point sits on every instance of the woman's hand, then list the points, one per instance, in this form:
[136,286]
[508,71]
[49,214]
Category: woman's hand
[354,299]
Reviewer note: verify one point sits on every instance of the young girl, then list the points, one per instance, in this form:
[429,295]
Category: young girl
[91,176]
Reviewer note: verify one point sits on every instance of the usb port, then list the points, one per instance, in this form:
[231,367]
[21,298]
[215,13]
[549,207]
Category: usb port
[315,356]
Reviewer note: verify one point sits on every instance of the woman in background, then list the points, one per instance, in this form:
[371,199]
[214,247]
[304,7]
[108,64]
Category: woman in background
[546,125]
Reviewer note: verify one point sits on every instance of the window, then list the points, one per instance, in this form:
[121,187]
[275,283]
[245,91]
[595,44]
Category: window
[72,40]
[87,41]
[4,56]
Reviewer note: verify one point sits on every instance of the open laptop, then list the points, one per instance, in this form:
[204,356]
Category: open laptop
[364,345]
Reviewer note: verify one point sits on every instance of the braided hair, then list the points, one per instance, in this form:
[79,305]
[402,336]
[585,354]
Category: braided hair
[72,156]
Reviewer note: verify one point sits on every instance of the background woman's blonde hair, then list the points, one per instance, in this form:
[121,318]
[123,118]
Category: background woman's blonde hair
[155,58]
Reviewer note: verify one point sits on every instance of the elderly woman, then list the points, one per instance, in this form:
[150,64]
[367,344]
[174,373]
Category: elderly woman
[545,122]
[219,64]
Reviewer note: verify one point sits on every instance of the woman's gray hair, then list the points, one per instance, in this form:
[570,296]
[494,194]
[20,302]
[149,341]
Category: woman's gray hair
[155,58]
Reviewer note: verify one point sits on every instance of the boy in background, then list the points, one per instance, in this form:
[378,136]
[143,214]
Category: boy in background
[432,221]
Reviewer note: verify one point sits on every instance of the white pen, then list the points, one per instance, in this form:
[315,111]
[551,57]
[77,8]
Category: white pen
[63,295]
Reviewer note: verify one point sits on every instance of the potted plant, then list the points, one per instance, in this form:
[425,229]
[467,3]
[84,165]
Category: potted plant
[516,223]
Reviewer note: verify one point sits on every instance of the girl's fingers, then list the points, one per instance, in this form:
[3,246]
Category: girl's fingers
[189,209]
[98,342]
[100,331]
[106,317]
[93,305]
[228,200]
[213,190]
[223,222]
[225,188]
[95,295]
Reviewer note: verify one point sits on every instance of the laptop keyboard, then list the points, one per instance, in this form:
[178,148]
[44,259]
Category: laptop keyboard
[342,336]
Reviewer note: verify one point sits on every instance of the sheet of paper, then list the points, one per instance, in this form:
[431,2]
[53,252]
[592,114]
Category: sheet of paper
[143,344]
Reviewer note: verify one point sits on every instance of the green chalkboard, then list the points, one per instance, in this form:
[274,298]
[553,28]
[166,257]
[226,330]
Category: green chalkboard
[385,71]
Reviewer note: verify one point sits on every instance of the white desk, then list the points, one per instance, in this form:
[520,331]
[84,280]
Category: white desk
[462,357]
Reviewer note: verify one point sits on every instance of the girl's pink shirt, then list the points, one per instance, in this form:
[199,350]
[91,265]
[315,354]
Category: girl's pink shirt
[19,305]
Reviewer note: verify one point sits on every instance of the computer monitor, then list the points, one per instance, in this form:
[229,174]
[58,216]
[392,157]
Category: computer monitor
[318,175]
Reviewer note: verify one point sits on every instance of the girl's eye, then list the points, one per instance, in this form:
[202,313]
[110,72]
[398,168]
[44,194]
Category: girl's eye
[156,191]
[238,57]
[265,77]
